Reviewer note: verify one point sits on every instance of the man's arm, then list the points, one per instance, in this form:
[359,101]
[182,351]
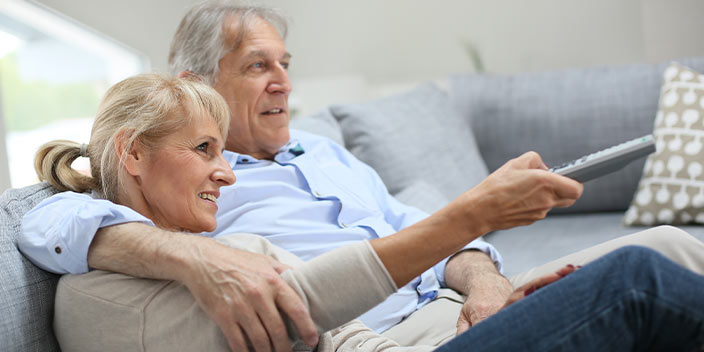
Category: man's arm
[239,290]
[474,274]
[519,193]
[401,216]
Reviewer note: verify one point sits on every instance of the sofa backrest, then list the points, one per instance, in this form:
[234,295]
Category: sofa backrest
[26,292]
[564,115]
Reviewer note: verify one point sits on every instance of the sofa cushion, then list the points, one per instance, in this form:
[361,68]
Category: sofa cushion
[672,188]
[527,247]
[412,137]
[564,115]
[26,292]
[321,123]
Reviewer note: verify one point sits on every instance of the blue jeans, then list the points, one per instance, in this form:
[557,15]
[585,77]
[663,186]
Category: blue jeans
[633,299]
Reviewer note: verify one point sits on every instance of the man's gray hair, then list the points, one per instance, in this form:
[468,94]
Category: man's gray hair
[200,40]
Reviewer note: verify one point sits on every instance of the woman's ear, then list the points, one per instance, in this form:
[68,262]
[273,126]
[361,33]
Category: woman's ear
[189,75]
[132,156]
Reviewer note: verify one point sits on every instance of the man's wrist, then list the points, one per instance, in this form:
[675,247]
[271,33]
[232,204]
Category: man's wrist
[143,251]
[469,267]
[184,256]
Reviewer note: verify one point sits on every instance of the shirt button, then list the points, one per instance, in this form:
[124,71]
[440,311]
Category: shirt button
[317,194]
[245,160]
[57,250]
[343,224]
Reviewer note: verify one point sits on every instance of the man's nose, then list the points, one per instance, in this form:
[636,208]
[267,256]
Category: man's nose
[280,82]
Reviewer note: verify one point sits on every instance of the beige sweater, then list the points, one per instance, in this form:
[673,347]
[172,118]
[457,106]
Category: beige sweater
[114,312]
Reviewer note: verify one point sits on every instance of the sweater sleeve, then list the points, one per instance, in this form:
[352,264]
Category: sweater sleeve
[340,285]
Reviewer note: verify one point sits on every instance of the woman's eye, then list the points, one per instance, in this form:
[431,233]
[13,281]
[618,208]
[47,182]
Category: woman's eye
[203,147]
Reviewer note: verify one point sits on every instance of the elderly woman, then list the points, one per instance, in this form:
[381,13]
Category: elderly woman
[156,147]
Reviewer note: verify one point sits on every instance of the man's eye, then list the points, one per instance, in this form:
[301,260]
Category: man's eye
[285,65]
[203,147]
[258,65]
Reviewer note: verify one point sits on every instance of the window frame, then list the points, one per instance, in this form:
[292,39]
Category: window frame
[123,60]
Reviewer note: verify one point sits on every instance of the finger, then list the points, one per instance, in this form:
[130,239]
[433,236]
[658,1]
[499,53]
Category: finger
[235,339]
[274,325]
[548,279]
[566,270]
[478,319]
[290,303]
[539,282]
[254,329]
[278,266]
[462,325]
[530,160]
[565,187]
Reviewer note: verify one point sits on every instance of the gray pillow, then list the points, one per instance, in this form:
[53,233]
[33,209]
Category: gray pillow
[321,123]
[423,196]
[412,137]
[564,115]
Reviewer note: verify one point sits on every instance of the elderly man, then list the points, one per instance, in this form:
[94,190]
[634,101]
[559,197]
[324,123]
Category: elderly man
[308,196]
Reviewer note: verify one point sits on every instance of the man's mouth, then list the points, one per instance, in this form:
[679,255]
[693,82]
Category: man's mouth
[208,196]
[273,111]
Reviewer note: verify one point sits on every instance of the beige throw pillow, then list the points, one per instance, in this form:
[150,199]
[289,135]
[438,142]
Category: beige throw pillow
[671,190]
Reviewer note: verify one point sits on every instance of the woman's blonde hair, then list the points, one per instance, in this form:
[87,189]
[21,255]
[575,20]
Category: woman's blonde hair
[145,108]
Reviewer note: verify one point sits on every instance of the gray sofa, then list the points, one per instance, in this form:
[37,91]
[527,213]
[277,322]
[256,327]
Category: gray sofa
[429,145]
[434,142]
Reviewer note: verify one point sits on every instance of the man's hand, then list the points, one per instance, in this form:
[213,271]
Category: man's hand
[241,292]
[520,192]
[473,274]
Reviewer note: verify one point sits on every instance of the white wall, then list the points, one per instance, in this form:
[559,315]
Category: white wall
[396,40]
[343,50]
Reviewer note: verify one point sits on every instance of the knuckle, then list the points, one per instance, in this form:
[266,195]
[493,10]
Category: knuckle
[272,279]
[297,311]
[254,292]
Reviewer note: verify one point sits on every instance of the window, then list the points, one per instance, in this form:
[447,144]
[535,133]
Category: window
[53,73]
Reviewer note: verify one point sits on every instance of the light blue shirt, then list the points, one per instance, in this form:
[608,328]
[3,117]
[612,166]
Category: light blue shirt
[313,198]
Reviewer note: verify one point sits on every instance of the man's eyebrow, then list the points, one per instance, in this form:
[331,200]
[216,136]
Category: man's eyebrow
[262,54]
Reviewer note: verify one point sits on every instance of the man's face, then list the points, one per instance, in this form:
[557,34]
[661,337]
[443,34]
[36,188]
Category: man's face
[254,81]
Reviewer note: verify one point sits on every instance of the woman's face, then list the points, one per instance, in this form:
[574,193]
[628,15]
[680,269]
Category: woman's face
[181,178]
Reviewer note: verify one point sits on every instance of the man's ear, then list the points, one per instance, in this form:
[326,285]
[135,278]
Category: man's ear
[133,157]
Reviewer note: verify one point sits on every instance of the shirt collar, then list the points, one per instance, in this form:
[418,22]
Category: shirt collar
[289,151]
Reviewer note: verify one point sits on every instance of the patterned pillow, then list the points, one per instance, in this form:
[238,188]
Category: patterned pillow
[672,188]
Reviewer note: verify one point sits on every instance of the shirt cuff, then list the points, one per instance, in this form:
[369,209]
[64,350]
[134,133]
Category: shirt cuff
[478,244]
[58,232]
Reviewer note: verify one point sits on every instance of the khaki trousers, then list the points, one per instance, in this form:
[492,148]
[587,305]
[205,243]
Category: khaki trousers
[434,324]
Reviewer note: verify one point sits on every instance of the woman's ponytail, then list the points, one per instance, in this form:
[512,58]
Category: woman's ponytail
[53,164]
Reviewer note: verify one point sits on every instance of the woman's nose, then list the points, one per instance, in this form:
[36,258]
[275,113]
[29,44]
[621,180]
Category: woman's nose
[223,173]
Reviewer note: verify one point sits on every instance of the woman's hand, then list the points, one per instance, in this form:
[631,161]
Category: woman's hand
[538,283]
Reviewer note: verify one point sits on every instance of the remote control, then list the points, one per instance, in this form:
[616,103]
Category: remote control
[606,161]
